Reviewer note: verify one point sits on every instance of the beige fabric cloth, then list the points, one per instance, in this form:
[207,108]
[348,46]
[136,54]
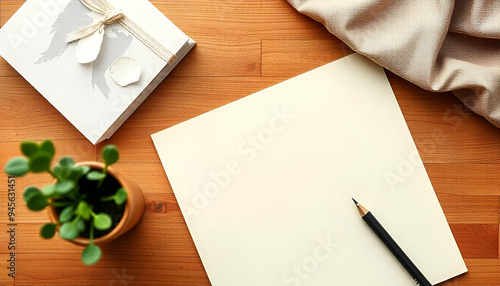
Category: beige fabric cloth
[437,45]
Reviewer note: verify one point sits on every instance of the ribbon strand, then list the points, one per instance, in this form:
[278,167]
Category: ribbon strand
[111,15]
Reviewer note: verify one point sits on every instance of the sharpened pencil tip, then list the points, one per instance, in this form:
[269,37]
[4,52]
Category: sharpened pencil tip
[356,202]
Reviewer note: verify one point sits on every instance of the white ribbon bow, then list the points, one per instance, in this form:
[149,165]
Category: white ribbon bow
[111,15]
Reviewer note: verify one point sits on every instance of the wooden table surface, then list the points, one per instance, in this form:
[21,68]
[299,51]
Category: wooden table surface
[242,47]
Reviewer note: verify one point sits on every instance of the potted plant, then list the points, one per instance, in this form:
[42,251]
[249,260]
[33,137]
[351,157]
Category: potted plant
[89,203]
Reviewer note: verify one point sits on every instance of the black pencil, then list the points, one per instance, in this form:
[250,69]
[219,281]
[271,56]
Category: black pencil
[373,223]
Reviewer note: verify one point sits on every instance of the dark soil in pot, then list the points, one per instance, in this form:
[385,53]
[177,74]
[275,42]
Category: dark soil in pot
[109,187]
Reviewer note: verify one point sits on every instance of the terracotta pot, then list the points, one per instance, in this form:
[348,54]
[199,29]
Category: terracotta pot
[134,207]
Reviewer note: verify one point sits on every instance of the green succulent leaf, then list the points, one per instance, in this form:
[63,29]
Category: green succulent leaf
[66,172]
[102,221]
[30,191]
[84,169]
[74,173]
[120,196]
[91,254]
[60,171]
[63,187]
[17,166]
[80,225]
[48,147]
[84,210]
[49,190]
[37,202]
[48,230]
[110,154]
[40,162]
[29,148]
[95,176]
[67,213]
[66,162]
[68,230]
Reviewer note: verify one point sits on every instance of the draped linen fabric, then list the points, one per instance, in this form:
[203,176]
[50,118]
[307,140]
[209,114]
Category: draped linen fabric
[437,45]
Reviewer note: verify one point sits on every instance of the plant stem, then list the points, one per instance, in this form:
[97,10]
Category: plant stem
[82,197]
[104,173]
[110,198]
[72,196]
[53,174]
[63,204]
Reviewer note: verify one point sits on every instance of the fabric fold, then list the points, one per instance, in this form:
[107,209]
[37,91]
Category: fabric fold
[438,45]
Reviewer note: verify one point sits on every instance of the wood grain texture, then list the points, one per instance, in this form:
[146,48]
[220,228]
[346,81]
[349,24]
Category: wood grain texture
[242,47]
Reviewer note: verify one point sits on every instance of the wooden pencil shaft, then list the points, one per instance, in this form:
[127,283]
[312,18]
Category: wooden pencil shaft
[373,223]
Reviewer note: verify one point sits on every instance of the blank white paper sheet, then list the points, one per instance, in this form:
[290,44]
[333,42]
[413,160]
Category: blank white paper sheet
[265,184]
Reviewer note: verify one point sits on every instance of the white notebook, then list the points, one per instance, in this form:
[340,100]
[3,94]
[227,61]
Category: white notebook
[33,41]
[265,184]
